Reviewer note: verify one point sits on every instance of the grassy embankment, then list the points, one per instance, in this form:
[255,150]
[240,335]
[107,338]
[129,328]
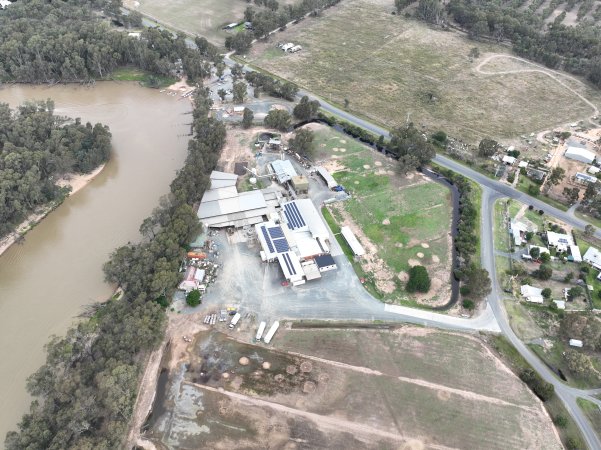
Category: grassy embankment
[146,79]
[554,406]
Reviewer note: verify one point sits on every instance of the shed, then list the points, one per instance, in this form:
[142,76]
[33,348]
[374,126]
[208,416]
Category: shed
[585,178]
[579,154]
[311,270]
[509,160]
[352,241]
[593,170]
[300,184]
[325,263]
[532,294]
[283,169]
[561,304]
[575,342]
[523,164]
[329,179]
[575,252]
[593,257]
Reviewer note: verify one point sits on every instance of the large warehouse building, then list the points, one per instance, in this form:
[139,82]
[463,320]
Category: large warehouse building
[223,206]
[296,240]
[580,154]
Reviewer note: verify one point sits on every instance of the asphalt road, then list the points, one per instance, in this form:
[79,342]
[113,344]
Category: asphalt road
[493,190]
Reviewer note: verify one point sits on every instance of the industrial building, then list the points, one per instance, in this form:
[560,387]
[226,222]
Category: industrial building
[223,206]
[580,154]
[283,170]
[295,239]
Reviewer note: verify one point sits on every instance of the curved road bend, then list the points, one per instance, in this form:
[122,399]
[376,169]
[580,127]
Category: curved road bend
[491,191]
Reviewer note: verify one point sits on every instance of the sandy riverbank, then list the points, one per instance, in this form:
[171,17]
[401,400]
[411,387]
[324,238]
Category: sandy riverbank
[75,181]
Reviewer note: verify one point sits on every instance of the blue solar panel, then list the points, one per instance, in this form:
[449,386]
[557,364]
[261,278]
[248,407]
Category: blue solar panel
[276,232]
[301,221]
[281,245]
[267,239]
[289,263]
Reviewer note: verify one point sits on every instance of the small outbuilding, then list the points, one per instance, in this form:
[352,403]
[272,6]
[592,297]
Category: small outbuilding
[576,343]
[300,184]
[325,263]
[593,257]
[509,160]
[585,178]
[532,294]
[352,241]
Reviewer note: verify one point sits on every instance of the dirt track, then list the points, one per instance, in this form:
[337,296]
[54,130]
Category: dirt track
[538,69]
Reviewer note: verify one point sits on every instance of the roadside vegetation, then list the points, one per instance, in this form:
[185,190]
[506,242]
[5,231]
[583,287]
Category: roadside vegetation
[86,390]
[387,67]
[568,430]
[37,148]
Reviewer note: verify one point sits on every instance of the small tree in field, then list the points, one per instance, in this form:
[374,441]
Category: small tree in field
[419,280]
[193,298]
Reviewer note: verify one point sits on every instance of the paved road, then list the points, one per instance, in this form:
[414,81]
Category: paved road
[493,190]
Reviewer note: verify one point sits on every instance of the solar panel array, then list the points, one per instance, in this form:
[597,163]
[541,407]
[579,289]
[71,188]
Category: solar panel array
[289,264]
[267,239]
[274,237]
[293,215]
[276,232]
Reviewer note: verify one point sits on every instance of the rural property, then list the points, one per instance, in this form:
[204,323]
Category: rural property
[391,68]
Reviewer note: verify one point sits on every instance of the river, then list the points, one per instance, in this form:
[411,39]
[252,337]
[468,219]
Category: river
[45,282]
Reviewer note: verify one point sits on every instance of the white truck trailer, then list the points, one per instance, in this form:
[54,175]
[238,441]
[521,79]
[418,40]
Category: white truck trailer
[235,320]
[271,332]
[260,331]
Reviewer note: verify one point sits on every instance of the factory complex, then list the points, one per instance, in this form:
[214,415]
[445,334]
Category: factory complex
[289,230]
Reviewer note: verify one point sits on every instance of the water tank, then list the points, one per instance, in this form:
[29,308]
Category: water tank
[253,180]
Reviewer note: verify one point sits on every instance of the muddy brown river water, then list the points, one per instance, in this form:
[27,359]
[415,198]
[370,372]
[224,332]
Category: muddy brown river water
[45,282]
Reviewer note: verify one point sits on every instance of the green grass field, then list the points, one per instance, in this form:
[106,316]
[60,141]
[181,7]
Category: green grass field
[389,66]
[144,78]
[406,218]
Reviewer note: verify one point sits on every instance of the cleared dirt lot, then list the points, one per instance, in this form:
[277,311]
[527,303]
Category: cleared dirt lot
[346,389]
[389,66]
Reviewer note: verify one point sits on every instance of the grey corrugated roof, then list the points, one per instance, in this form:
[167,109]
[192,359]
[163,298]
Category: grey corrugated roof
[283,169]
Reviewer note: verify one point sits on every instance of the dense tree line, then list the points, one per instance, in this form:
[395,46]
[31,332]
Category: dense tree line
[42,41]
[275,16]
[86,390]
[576,49]
[36,148]
[276,88]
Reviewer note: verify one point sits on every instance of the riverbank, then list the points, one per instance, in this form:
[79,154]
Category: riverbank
[74,181]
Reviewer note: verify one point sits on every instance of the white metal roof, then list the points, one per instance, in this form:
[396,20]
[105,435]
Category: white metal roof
[594,170]
[283,170]
[222,179]
[575,251]
[559,240]
[352,241]
[301,215]
[575,342]
[528,291]
[508,159]
[586,177]
[593,257]
[330,181]
[579,154]
[291,266]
